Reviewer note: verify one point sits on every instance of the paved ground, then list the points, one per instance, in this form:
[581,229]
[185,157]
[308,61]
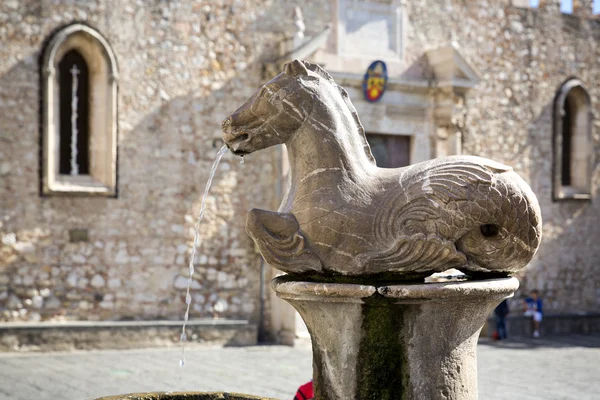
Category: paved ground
[556,368]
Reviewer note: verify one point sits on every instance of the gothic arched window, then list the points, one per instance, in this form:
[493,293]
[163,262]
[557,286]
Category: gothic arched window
[572,142]
[79,74]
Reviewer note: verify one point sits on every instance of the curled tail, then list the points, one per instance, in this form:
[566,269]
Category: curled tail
[457,212]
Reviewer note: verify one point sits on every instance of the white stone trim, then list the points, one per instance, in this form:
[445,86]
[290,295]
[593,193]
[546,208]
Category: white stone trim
[307,48]
[390,8]
[103,73]
[521,3]
[452,70]
[337,58]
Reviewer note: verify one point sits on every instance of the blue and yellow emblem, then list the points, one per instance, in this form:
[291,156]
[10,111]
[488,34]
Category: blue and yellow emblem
[375,80]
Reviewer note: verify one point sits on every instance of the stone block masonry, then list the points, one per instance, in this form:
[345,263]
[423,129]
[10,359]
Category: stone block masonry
[180,65]
[524,55]
[185,65]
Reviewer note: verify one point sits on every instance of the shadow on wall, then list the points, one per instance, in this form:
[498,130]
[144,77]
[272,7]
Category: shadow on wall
[418,70]
[134,262]
[138,246]
[564,267]
[183,137]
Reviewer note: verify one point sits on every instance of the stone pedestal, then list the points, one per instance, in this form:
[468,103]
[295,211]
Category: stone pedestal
[398,341]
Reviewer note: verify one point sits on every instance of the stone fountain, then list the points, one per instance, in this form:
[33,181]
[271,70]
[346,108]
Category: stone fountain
[357,241]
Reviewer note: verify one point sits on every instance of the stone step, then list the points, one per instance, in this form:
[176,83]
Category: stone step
[552,324]
[85,335]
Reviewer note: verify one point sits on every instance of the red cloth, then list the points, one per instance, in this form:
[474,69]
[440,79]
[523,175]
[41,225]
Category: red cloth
[305,392]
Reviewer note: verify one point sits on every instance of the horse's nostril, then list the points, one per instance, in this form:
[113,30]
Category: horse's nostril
[489,230]
[242,138]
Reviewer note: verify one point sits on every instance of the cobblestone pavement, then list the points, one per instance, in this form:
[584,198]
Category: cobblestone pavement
[526,369]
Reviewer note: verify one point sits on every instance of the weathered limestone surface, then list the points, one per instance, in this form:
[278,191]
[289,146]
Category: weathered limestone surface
[376,332]
[408,341]
[343,217]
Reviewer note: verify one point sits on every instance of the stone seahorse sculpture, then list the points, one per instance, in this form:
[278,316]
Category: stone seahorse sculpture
[343,217]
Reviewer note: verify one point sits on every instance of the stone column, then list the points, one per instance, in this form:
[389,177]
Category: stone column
[400,341]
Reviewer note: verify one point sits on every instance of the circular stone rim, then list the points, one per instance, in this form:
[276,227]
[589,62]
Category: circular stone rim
[293,288]
[185,395]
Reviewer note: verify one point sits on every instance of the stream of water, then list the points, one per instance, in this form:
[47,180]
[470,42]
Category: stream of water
[188,296]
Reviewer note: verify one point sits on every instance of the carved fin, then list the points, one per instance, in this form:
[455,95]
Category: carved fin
[281,243]
[416,253]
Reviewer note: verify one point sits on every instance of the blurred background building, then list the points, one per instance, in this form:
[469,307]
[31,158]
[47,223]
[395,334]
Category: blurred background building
[110,117]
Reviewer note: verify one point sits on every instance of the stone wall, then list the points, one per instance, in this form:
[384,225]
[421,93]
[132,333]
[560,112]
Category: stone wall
[186,64]
[524,55]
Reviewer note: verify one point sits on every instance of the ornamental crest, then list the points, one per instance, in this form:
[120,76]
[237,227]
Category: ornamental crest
[375,80]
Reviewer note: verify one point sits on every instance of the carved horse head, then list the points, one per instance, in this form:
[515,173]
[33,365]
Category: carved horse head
[303,94]
[273,114]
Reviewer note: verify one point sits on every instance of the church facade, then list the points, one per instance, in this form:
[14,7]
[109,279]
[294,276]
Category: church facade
[110,122]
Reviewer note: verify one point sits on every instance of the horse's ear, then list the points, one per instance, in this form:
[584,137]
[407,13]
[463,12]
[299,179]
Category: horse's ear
[295,68]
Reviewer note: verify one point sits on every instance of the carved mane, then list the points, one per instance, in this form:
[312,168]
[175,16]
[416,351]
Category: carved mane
[361,130]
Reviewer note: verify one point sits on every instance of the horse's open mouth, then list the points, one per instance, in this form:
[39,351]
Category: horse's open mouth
[239,152]
[235,145]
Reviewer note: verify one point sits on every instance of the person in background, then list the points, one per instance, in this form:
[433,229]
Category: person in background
[501,312]
[305,392]
[533,308]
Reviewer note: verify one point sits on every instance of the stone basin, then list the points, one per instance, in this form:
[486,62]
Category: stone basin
[184,396]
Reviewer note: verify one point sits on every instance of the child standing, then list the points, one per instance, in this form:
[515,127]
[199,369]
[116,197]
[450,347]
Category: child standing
[533,308]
